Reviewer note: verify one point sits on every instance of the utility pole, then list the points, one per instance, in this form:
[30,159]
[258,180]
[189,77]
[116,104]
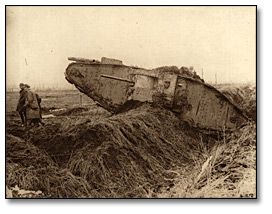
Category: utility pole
[215,78]
[202,73]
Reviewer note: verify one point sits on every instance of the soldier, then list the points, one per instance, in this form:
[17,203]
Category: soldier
[21,108]
[32,107]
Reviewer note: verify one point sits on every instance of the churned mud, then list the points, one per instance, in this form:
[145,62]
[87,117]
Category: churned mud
[141,152]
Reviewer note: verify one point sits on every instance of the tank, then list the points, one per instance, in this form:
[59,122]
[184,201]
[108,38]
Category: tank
[114,85]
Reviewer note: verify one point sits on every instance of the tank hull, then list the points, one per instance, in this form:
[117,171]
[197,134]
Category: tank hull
[114,85]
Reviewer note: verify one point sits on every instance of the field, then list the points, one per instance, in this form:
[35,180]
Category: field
[146,152]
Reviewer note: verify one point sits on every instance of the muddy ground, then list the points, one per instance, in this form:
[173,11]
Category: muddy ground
[86,152]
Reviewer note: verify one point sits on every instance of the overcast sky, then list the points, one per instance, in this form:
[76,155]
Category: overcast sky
[218,40]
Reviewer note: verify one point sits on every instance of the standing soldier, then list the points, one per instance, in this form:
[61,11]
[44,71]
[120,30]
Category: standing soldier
[32,107]
[21,108]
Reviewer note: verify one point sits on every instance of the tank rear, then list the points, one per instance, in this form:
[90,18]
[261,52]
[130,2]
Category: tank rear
[203,106]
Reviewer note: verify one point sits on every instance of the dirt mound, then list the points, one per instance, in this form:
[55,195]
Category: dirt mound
[143,152]
[17,150]
[126,155]
[31,168]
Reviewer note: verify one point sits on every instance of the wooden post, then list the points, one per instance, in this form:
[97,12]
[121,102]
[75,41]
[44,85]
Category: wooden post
[80,100]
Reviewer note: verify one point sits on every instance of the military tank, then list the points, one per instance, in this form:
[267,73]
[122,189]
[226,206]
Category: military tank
[113,85]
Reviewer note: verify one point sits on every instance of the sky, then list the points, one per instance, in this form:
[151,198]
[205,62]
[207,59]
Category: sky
[220,41]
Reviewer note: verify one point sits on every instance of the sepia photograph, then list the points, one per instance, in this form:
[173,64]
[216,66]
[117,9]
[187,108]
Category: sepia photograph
[130,102]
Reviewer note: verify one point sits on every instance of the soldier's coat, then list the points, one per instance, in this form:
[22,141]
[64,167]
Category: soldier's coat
[32,107]
[21,102]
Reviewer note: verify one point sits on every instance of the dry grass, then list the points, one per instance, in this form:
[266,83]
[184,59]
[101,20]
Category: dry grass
[228,170]
[129,156]
[30,168]
[144,152]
